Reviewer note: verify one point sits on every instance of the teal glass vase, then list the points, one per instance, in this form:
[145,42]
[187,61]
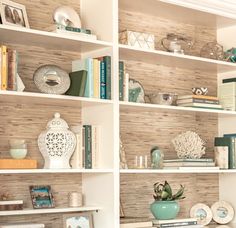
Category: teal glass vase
[163,210]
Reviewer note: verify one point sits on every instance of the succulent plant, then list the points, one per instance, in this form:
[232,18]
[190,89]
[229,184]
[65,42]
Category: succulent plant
[163,192]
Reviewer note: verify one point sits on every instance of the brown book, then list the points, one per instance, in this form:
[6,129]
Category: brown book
[12,69]
[18,164]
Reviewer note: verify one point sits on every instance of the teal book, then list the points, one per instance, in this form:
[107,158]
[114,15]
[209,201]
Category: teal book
[229,80]
[85,64]
[230,143]
[102,80]
[230,135]
[121,80]
[77,83]
[88,147]
[107,60]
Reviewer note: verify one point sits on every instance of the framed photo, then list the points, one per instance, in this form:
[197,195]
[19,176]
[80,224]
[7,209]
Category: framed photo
[41,196]
[13,14]
[83,220]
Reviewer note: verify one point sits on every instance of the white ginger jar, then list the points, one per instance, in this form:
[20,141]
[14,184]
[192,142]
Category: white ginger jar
[57,144]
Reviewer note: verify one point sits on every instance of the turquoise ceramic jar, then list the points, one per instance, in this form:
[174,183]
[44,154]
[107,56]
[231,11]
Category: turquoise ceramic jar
[163,210]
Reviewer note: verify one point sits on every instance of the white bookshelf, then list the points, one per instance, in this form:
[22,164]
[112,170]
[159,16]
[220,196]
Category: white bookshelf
[102,185]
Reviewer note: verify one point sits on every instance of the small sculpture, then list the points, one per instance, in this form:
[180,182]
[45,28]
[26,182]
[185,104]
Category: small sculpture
[212,50]
[57,144]
[200,90]
[189,145]
[157,158]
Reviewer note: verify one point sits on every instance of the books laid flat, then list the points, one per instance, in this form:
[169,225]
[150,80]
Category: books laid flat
[137,225]
[197,100]
[189,164]
[190,160]
[197,97]
[21,225]
[189,222]
[204,105]
[18,164]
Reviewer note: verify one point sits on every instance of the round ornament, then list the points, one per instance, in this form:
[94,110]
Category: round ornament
[212,50]
[223,212]
[67,16]
[57,144]
[202,213]
[51,79]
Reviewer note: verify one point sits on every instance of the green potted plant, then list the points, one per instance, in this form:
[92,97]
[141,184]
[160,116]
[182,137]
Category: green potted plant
[165,205]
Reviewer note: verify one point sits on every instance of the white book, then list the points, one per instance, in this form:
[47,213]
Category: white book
[95,145]
[77,157]
[159,222]
[200,105]
[136,225]
[23,226]
[11,202]
[199,168]
[126,87]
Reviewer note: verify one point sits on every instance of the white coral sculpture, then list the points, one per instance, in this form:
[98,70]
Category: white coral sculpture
[189,145]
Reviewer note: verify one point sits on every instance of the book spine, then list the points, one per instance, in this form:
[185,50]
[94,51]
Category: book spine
[229,80]
[126,87]
[200,101]
[88,147]
[121,80]
[12,70]
[232,162]
[178,224]
[107,60]
[102,81]
[0,67]
[99,79]
[4,68]
[89,82]
[95,78]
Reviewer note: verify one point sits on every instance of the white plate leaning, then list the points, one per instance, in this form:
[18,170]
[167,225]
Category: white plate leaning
[223,212]
[202,213]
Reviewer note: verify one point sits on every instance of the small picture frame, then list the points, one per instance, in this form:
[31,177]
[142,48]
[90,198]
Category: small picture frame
[13,14]
[41,196]
[76,220]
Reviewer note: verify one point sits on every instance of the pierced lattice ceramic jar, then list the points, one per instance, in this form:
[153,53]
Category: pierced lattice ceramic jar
[57,144]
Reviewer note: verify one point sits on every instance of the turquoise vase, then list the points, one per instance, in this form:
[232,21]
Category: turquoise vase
[163,210]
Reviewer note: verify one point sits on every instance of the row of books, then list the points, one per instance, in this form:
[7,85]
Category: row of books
[8,66]
[189,163]
[179,223]
[123,83]
[226,146]
[91,77]
[199,101]
[87,150]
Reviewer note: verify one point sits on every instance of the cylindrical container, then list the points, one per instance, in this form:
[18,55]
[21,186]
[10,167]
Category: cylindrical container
[75,199]
[18,148]
[141,162]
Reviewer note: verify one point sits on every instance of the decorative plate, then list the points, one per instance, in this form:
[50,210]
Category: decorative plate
[51,79]
[223,212]
[136,91]
[202,213]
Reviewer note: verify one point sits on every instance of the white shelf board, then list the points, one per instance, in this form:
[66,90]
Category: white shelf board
[50,99]
[174,60]
[48,211]
[168,108]
[196,14]
[35,171]
[173,171]
[49,40]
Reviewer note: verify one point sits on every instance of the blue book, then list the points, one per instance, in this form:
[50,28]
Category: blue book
[85,64]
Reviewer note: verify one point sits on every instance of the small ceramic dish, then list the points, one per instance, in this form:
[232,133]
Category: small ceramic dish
[163,98]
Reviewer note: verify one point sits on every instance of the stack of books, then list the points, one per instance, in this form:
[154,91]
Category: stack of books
[180,223]
[199,101]
[8,68]
[190,163]
[87,150]
[228,141]
[91,77]
[123,83]
[79,32]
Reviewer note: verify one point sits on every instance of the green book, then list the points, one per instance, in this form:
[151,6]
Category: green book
[107,60]
[88,147]
[121,80]
[77,83]
[230,143]
[229,80]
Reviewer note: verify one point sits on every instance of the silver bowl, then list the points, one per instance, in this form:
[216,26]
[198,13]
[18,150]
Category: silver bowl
[163,98]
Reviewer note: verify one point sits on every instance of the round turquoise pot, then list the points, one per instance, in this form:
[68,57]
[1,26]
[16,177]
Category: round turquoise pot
[163,210]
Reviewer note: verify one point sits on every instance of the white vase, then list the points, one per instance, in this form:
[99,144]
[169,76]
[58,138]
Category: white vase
[57,144]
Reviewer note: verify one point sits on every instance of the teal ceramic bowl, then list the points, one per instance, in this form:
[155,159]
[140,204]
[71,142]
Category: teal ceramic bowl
[163,210]
[18,153]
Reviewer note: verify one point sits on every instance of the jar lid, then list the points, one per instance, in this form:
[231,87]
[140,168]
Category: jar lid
[57,122]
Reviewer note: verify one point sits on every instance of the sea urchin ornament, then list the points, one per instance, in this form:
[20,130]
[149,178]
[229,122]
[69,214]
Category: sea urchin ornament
[189,145]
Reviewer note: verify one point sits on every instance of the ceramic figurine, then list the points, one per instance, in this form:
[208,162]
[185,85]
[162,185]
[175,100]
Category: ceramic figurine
[157,158]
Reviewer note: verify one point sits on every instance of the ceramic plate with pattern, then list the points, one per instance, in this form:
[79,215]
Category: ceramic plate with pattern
[223,212]
[51,79]
[136,92]
[202,213]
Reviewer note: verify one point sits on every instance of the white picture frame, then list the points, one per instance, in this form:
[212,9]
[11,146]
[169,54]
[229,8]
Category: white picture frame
[222,212]
[17,15]
[83,219]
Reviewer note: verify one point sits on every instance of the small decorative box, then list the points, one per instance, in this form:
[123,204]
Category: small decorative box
[8,205]
[137,39]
